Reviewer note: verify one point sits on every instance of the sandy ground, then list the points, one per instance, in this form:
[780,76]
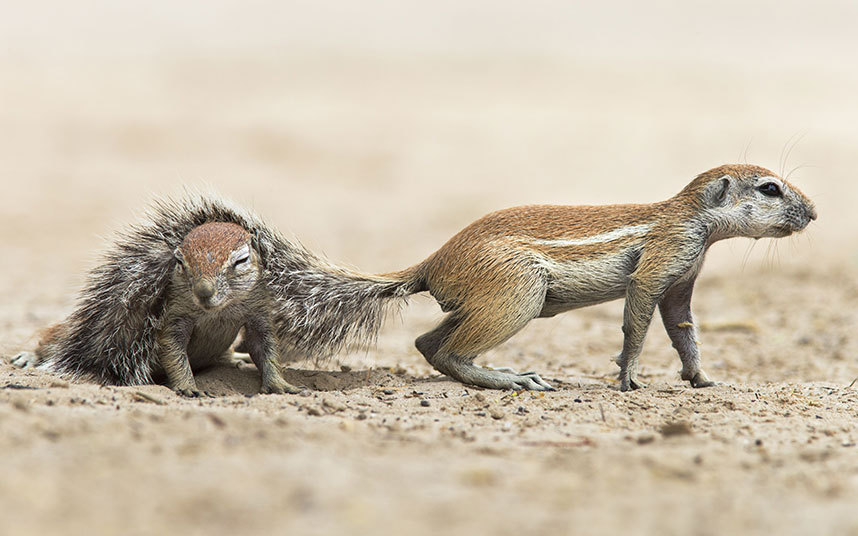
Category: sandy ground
[374,135]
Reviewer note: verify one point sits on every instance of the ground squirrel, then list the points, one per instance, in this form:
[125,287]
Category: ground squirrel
[522,263]
[171,296]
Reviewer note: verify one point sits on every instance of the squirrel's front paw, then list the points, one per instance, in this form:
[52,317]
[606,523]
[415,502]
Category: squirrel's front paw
[702,380]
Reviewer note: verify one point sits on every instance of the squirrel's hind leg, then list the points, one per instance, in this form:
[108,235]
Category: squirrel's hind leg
[462,368]
[241,345]
[450,349]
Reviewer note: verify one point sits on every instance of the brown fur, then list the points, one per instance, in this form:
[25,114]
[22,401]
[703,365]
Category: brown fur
[207,247]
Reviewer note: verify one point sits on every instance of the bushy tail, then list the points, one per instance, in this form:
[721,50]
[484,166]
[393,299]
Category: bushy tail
[319,308]
[322,309]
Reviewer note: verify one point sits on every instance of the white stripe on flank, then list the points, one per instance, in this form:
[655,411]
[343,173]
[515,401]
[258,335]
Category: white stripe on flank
[616,234]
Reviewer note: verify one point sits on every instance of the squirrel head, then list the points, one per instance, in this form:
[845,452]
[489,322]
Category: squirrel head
[750,201]
[218,263]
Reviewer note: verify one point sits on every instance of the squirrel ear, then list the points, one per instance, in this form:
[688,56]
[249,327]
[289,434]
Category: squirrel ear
[177,253]
[715,193]
[254,241]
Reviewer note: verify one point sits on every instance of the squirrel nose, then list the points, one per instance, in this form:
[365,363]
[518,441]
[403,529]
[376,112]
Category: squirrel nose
[811,212]
[204,290]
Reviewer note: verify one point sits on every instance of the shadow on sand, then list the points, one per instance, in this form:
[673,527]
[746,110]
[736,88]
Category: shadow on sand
[228,380]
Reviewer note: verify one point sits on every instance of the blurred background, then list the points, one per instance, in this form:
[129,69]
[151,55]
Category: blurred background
[375,130]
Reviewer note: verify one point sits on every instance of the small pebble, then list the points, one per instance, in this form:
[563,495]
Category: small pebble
[216,420]
[678,428]
[333,405]
[424,403]
[645,439]
[388,391]
[496,414]
[479,477]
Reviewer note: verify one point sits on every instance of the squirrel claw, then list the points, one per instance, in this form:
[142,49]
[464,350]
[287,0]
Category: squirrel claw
[496,378]
[24,360]
[633,385]
[529,380]
[194,393]
[535,378]
[280,389]
[700,379]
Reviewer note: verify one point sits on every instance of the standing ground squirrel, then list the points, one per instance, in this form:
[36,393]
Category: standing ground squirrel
[515,265]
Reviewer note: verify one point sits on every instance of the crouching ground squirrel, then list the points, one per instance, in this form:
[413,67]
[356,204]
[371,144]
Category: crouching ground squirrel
[522,263]
[170,298]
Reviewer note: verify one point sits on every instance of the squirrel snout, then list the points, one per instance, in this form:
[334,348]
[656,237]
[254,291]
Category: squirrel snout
[204,290]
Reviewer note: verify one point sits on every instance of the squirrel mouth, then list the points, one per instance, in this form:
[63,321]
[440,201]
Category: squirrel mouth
[781,231]
[209,305]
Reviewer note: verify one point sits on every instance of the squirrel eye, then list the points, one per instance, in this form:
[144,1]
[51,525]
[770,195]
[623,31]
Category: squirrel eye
[770,189]
[241,260]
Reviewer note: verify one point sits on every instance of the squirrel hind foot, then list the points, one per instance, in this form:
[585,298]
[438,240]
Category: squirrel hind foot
[503,378]
[25,360]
